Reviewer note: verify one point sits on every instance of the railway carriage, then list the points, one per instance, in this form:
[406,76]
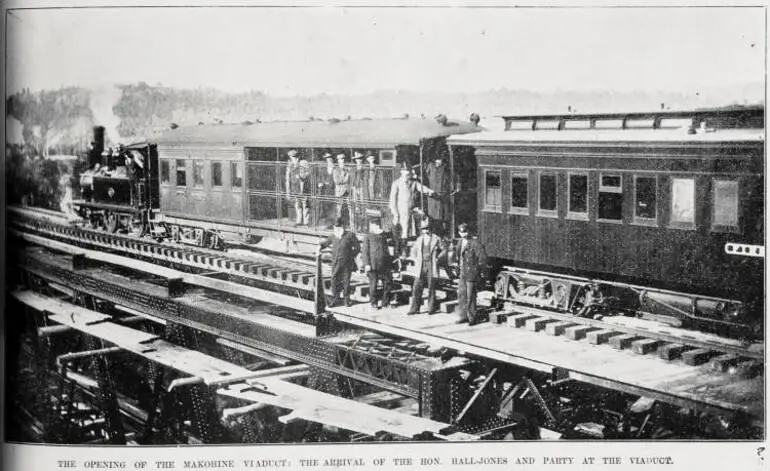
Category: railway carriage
[648,205]
[228,181]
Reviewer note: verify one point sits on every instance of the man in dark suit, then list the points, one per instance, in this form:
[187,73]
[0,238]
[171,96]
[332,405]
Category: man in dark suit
[377,263]
[345,247]
[472,259]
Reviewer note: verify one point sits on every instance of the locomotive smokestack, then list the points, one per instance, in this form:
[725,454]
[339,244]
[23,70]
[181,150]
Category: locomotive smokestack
[95,154]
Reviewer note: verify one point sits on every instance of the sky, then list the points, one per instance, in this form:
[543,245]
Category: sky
[335,50]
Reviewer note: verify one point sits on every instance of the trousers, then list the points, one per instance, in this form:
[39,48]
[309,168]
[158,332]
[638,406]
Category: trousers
[417,289]
[345,210]
[301,211]
[466,300]
[341,284]
[374,277]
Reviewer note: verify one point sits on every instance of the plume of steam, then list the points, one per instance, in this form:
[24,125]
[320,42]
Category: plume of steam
[13,130]
[103,100]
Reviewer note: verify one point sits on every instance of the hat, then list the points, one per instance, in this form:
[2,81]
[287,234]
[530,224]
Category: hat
[328,156]
[404,167]
[292,153]
[358,155]
[341,157]
[369,155]
[425,224]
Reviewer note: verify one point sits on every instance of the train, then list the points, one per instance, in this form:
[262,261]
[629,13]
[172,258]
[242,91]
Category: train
[651,214]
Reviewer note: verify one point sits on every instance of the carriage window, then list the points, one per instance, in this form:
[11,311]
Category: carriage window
[725,204]
[197,172]
[683,202]
[578,196]
[387,157]
[519,193]
[165,171]
[547,194]
[645,199]
[236,175]
[492,190]
[610,197]
[216,173]
[181,173]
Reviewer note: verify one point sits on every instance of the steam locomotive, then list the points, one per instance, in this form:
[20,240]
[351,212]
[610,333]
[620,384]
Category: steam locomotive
[655,214]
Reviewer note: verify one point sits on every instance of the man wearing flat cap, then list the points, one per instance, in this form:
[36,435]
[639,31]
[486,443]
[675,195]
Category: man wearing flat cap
[341,178]
[298,187]
[326,190]
[357,189]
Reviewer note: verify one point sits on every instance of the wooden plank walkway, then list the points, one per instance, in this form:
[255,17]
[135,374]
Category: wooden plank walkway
[247,385]
[645,375]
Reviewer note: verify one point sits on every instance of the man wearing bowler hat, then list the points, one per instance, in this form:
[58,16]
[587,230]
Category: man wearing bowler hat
[377,263]
[425,253]
[472,259]
[345,247]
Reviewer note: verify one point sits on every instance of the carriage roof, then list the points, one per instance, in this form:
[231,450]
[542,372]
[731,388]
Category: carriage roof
[347,133]
[603,137]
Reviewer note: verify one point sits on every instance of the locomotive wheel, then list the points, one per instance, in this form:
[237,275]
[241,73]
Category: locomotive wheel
[111,223]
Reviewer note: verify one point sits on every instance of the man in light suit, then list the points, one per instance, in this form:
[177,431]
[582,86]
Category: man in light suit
[425,252]
[402,203]
[472,260]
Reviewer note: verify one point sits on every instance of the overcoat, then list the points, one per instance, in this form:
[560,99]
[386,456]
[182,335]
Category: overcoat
[434,249]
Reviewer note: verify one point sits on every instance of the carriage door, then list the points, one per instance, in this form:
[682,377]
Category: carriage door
[464,176]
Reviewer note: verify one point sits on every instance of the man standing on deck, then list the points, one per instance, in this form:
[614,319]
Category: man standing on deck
[401,205]
[344,250]
[377,264]
[425,253]
[472,259]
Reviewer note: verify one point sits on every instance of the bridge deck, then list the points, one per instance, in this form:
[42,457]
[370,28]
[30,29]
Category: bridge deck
[673,382]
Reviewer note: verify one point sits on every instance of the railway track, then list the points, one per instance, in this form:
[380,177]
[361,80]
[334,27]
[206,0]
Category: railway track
[298,278]
[721,361]
[294,275]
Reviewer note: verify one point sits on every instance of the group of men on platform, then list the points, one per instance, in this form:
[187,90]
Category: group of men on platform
[467,253]
[350,187]
[354,188]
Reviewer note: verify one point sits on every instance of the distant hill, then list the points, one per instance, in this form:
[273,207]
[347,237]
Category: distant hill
[60,121]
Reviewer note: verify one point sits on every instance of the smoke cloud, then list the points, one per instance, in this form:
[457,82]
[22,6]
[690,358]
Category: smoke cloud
[13,130]
[103,100]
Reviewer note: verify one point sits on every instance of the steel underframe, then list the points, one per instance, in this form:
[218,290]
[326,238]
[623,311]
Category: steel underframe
[423,382]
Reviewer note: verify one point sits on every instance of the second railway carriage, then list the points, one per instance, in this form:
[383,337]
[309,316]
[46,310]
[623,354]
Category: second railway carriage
[662,213]
[227,180]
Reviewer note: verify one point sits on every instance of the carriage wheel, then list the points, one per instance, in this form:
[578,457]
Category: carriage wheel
[94,221]
[111,222]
